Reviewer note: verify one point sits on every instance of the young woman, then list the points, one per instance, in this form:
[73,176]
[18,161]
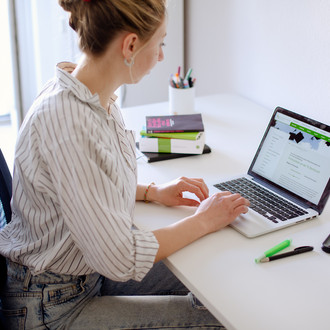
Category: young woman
[74,191]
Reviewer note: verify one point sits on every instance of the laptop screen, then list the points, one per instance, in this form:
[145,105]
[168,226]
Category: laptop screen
[294,154]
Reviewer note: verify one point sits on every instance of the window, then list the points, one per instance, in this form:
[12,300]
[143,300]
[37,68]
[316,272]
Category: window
[6,72]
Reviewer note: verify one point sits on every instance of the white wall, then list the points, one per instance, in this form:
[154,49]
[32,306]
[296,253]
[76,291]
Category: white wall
[274,52]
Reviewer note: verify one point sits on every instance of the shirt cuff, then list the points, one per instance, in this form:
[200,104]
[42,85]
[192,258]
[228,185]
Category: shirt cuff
[145,253]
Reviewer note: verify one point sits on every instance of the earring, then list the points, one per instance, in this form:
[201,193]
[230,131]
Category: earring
[129,63]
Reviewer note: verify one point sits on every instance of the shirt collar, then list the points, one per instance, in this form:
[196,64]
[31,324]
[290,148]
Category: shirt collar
[66,79]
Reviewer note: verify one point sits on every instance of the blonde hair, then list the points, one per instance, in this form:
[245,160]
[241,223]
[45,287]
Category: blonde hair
[97,22]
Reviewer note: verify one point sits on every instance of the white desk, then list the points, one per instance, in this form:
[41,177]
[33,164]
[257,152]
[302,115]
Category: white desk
[291,293]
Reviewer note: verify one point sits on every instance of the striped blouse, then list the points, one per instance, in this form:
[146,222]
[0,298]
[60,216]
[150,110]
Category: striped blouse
[74,188]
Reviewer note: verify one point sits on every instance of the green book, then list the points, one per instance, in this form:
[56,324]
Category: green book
[181,146]
[174,135]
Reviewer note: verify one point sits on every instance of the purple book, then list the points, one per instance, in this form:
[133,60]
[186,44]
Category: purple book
[175,123]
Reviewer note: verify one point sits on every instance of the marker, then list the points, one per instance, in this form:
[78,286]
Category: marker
[298,250]
[177,78]
[188,74]
[173,82]
[274,250]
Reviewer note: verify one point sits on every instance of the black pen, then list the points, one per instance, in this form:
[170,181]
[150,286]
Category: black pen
[298,250]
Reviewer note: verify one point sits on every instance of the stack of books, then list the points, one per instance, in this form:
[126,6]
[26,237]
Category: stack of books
[178,134]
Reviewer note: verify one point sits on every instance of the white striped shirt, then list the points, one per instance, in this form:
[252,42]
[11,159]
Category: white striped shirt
[74,188]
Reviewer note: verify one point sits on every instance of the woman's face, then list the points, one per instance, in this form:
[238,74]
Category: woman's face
[149,55]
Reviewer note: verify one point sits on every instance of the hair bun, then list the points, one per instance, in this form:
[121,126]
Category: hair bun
[66,4]
[98,22]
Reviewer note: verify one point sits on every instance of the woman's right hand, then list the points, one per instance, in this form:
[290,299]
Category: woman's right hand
[220,209]
[213,213]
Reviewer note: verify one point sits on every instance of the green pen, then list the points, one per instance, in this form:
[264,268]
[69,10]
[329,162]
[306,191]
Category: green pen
[274,250]
[188,74]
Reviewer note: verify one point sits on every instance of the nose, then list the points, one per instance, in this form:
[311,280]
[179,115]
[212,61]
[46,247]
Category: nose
[161,55]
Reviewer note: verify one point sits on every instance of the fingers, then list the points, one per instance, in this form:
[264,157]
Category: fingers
[238,200]
[233,201]
[239,204]
[195,186]
[202,185]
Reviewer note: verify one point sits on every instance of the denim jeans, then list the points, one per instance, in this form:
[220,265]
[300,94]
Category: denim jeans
[52,301]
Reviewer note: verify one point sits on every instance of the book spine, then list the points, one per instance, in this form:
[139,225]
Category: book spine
[151,131]
[184,135]
[171,145]
[174,123]
[164,131]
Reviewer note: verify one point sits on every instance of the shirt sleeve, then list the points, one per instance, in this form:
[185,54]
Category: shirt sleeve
[95,196]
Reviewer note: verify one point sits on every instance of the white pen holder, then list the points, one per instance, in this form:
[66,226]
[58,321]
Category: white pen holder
[181,100]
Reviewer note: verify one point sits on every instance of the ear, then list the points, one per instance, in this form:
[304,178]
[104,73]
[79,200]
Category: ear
[130,45]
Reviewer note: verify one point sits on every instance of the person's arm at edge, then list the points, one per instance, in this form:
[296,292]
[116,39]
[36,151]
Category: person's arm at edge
[177,235]
[215,213]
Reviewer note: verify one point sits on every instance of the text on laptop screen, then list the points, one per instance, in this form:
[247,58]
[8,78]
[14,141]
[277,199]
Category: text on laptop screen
[295,156]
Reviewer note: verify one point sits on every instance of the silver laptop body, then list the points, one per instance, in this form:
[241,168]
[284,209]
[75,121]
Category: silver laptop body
[293,163]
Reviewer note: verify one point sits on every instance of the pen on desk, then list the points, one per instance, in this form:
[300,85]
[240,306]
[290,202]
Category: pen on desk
[298,250]
[277,248]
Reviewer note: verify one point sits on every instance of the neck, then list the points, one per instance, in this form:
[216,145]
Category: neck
[99,75]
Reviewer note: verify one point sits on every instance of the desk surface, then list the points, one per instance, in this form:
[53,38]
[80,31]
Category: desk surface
[291,293]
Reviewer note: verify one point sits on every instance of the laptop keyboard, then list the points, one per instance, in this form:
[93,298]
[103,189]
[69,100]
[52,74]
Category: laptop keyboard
[266,203]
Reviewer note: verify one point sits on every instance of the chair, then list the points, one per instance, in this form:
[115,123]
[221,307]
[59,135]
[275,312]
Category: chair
[5,192]
[5,210]
[5,216]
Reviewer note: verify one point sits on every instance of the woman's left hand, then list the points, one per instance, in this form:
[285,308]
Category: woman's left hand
[171,193]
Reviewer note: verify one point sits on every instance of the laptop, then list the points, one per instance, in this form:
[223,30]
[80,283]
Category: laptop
[288,181]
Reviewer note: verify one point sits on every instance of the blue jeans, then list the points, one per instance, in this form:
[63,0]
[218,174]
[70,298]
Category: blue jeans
[52,301]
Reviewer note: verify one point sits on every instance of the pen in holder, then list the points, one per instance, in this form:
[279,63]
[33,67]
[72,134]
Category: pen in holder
[181,94]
